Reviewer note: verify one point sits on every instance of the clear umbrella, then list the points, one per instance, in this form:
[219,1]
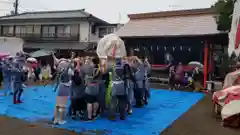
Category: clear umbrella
[41,53]
[196,64]
[31,59]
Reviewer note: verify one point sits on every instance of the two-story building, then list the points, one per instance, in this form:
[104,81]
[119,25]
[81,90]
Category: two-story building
[63,31]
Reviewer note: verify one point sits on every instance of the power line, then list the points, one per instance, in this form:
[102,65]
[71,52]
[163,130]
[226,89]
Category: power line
[18,7]
[16,3]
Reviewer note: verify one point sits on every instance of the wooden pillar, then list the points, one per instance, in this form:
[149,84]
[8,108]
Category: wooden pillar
[205,73]
[210,62]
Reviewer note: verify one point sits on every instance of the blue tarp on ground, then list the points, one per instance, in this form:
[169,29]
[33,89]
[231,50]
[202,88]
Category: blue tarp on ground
[163,109]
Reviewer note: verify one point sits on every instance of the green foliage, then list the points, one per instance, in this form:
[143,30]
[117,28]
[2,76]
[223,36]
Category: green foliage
[224,10]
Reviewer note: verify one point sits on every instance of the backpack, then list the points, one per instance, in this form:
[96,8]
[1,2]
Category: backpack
[76,78]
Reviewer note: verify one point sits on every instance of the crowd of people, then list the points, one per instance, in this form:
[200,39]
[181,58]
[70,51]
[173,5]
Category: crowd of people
[178,77]
[94,87]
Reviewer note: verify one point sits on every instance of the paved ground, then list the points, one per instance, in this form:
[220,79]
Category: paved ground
[197,121]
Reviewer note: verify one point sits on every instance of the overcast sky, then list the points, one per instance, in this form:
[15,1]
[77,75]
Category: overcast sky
[110,10]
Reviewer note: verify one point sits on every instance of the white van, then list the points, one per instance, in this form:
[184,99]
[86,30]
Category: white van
[10,45]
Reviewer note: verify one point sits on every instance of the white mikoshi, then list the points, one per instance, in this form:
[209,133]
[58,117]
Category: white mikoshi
[107,44]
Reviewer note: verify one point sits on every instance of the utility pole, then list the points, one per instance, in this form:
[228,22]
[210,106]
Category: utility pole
[16,4]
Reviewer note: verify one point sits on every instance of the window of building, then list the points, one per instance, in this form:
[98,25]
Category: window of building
[63,31]
[74,29]
[102,32]
[7,30]
[105,31]
[110,30]
[29,29]
[93,29]
[48,31]
[37,29]
[19,30]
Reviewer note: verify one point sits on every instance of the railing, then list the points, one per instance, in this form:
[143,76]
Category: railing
[48,37]
[7,34]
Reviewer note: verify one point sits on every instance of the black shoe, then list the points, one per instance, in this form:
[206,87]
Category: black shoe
[95,117]
[139,105]
[73,118]
[122,118]
[88,120]
[145,102]
[130,112]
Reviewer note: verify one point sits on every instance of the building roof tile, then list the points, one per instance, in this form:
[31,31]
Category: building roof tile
[48,14]
[170,23]
[60,14]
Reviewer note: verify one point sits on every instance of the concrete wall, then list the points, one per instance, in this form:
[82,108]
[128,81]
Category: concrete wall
[84,30]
